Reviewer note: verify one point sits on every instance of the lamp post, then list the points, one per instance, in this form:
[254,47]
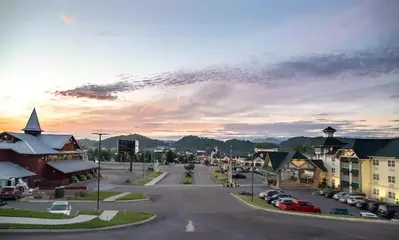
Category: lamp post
[99,166]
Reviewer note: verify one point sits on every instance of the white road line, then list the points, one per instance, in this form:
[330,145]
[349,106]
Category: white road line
[190,226]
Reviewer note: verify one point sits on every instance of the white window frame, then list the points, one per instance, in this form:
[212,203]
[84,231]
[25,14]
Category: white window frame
[391,195]
[376,191]
[376,162]
[333,170]
[391,179]
[376,177]
[391,163]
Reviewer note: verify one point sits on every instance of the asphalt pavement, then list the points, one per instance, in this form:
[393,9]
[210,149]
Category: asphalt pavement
[211,213]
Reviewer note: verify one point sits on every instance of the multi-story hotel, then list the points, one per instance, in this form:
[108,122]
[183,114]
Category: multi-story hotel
[364,165]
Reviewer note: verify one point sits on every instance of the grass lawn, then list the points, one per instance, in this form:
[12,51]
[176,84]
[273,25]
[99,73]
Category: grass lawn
[8,212]
[120,219]
[219,177]
[147,179]
[133,196]
[187,180]
[90,212]
[93,196]
[263,204]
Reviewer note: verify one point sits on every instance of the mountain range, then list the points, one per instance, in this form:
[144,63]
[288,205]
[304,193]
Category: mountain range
[193,143]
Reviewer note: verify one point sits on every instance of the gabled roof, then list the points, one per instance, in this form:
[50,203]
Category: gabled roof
[279,159]
[10,170]
[329,129]
[373,147]
[319,163]
[54,141]
[29,144]
[33,124]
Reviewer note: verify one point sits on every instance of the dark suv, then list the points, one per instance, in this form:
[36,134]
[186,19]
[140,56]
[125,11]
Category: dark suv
[373,206]
[387,210]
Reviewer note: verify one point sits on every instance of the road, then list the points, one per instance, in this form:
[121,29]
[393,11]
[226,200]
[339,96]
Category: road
[213,214]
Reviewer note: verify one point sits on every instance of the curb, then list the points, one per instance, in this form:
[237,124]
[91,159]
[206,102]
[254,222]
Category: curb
[311,215]
[133,200]
[76,230]
[156,180]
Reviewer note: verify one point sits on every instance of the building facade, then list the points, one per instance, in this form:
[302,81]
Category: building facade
[48,159]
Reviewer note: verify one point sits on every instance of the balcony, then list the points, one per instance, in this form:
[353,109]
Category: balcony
[354,160]
[355,172]
[345,165]
[355,165]
[345,171]
[354,186]
[355,179]
[345,183]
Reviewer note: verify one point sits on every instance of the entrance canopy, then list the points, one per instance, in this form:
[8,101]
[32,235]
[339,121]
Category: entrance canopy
[276,161]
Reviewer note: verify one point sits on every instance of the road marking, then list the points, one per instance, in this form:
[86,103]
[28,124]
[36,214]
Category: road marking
[190,226]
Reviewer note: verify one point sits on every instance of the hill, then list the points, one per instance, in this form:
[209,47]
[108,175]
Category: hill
[144,142]
[267,140]
[294,142]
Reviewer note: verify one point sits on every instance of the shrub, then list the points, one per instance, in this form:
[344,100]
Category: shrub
[73,179]
[95,174]
[89,176]
[80,194]
[166,163]
[150,169]
[127,180]
[100,175]
[82,177]
[188,174]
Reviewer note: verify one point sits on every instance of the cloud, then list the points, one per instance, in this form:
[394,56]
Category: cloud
[95,91]
[68,19]
[340,66]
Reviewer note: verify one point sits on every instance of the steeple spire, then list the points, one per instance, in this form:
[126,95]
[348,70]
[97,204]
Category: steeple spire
[33,125]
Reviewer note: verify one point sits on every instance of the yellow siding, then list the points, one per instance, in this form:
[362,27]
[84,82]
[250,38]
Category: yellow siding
[383,186]
[366,177]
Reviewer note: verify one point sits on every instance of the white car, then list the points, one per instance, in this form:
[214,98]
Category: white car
[337,196]
[264,194]
[282,200]
[60,207]
[354,199]
[368,215]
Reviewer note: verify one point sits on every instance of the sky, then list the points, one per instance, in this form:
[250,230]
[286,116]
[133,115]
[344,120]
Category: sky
[216,68]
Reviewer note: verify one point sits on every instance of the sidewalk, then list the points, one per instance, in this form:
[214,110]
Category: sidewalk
[156,180]
[113,198]
[43,221]
[108,215]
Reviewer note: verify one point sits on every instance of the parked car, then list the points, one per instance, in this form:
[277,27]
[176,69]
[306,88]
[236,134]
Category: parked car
[373,207]
[330,193]
[339,211]
[368,215]
[387,210]
[10,192]
[322,191]
[60,207]
[269,199]
[337,196]
[344,198]
[239,175]
[395,217]
[352,200]
[299,206]
[277,202]
[267,193]
[365,204]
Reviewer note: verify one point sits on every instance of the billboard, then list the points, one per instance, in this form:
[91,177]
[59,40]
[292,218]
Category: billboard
[128,146]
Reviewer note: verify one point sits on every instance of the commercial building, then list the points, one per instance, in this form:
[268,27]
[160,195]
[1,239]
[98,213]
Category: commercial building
[41,159]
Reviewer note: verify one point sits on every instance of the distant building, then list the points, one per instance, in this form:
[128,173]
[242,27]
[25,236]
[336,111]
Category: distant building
[265,150]
[41,159]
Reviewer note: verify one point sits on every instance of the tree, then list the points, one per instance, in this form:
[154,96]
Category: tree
[169,156]
[259,145]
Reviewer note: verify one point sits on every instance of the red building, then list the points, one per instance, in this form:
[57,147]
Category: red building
[42,159]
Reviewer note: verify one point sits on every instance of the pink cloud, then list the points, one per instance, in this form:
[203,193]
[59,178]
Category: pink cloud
[68,19]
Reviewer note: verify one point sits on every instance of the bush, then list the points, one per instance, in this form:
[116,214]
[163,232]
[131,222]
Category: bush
[95,174]
[188,174]
[82,177]
[100,175]
[166,163]
[150,169]
[89,176]
[80,194]
[127,180]
[73,179]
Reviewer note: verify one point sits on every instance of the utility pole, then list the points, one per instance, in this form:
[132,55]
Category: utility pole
[99,166]
[252,185]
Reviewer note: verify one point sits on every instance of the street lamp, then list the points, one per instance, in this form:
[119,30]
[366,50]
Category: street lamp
[99,166]
[252,185]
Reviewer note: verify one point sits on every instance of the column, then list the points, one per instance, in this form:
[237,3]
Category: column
[278,179]
[299,171]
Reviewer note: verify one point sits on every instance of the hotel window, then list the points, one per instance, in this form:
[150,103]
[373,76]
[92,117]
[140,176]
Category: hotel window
[376,162]
[333,160]
[333,170]
[391,163]
[391,179]
[376,191]
[376,177]
[391,195]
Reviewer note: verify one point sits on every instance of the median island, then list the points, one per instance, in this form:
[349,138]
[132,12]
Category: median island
[143,181]
[119,219]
